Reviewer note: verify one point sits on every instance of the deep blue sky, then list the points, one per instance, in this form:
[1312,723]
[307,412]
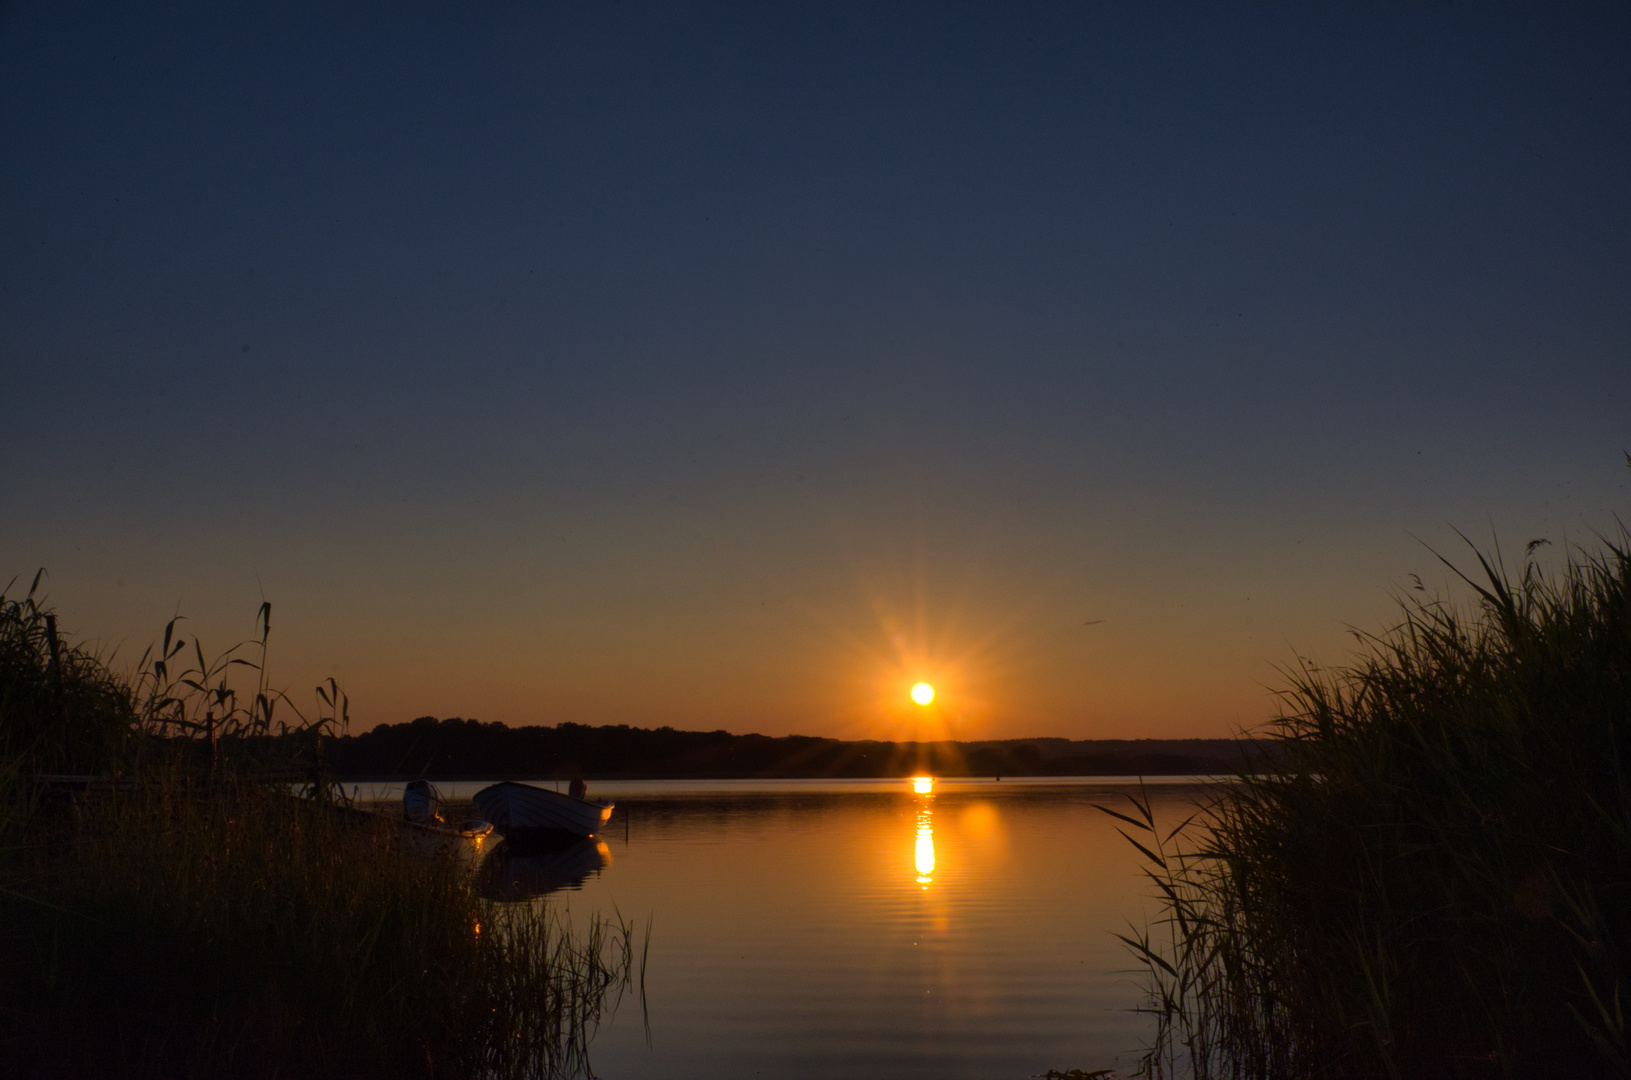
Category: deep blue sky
[736,366]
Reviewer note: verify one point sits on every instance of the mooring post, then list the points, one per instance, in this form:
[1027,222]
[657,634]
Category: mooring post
[319,788]
[56,666]
[209,729]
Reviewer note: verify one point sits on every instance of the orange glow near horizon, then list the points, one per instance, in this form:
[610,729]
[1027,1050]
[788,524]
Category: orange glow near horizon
[923,785]
[915,674]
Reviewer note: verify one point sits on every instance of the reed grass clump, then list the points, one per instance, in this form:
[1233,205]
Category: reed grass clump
[1435,880]
[187,914]
[61,708]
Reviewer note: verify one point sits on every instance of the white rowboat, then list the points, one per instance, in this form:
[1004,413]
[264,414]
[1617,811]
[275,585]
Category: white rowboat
[527,815]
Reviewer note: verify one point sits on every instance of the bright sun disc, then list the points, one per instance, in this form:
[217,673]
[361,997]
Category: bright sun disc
[922,693]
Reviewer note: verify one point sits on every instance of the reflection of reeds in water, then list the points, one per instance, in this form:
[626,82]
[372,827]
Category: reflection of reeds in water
[194,919]
[562,982]
[1434,881]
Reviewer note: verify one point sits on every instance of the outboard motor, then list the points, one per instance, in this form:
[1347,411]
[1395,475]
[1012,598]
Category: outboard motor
[421,802]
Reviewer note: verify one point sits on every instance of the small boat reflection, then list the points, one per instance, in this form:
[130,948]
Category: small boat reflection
[511,875]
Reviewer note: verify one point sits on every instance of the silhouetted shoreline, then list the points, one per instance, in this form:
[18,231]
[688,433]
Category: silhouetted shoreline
[458,749]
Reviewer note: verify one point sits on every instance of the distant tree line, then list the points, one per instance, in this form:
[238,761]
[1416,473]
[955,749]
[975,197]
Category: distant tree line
[456,748]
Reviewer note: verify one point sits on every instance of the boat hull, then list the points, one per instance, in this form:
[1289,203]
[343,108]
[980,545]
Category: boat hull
[537,817]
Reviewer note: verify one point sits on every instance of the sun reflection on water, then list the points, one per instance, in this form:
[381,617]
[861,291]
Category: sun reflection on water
[924,785]
[925,847]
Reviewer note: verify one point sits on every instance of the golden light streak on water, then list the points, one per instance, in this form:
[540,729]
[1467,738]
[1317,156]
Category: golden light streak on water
[925,847]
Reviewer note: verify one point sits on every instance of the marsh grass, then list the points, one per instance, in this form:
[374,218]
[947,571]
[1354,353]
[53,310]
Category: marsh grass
[1436,882]
[192,917]
[61,708]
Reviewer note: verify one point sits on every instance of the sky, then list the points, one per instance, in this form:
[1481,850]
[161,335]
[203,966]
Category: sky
[739,366]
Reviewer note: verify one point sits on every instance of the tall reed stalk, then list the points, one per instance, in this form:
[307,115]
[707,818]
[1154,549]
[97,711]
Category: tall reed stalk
[1435,881]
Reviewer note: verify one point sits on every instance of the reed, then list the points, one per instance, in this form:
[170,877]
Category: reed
[1436,881]
[192,917]
[61,708]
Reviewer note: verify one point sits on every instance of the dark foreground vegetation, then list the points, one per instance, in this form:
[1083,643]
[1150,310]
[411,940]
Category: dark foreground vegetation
[1437,881]
[184,915]
[470,749]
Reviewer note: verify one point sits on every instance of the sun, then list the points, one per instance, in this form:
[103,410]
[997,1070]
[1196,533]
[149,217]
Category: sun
[922,693]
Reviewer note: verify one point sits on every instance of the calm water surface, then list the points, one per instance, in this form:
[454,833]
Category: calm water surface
[861,929]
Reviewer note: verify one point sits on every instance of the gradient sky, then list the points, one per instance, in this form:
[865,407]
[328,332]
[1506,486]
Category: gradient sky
[738,366]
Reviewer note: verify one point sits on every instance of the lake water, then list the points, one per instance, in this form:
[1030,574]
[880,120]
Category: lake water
[863,929]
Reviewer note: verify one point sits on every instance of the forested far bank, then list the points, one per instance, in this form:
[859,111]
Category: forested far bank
[456,748]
